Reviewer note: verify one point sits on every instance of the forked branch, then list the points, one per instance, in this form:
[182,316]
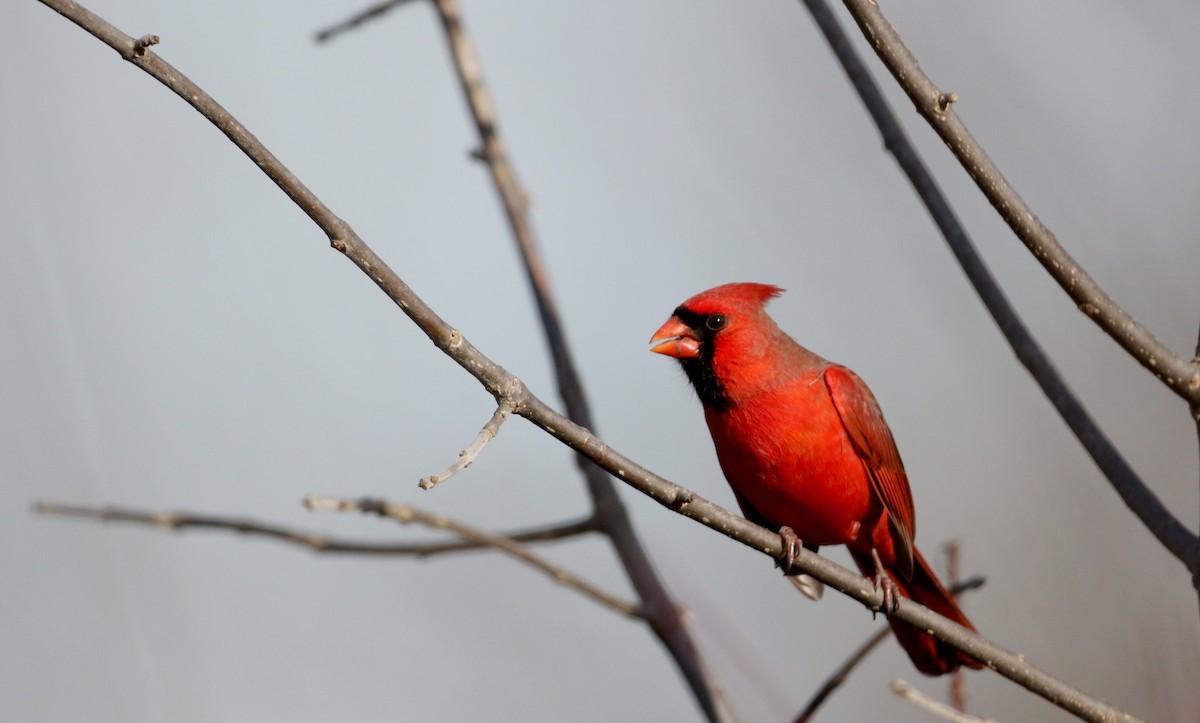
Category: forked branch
[407,514]
[315,541]
[662,613]
[1180,374]
[839,676]
[1142,501]
[470,538]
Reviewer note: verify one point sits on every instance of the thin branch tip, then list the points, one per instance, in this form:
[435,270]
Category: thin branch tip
[359,18]
[938,709]
[468,455]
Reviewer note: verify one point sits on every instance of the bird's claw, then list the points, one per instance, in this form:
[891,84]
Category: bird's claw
[883,582]
[791,548]
[891,594]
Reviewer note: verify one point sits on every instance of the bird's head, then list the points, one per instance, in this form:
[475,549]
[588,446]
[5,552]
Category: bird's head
[720,337]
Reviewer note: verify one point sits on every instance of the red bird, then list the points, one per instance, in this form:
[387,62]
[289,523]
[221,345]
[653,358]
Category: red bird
[804,446]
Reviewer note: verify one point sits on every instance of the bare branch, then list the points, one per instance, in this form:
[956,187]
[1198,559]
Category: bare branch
[468,455]
[662,612]
[958,680]
[358,19]
[1138,496]
[941,710]
[1178,373]
[407,514]
[1196,418]
[316,541]
[839,676]
[502,384]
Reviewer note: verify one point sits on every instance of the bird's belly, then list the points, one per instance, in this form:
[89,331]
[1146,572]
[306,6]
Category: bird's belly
[814,483]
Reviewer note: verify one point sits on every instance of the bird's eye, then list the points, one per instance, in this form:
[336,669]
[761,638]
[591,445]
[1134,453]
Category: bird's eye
[716,322]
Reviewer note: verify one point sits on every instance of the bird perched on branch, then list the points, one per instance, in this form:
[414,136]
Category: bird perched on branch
[804,446]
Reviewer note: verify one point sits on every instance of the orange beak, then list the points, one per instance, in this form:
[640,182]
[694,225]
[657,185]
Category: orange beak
[676,339]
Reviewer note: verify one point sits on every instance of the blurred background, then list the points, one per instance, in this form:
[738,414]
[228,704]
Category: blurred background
[177,335]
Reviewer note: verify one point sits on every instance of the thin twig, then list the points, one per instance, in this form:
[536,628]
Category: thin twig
[358,18]
[1196,418]
[941,710]
[407,514]
[835,681]
[958,679]
[843,671]
[502,384]
[1178,373]
[316,541]
[663,613]
[1136,494]
[468,455]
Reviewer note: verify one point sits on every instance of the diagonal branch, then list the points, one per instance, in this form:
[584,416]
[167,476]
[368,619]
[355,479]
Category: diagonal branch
[359,18]
[1178,373]
[1172,533]
[958,680]
[839,676]
[661,611]
[502,384]
[315,541]
[407,514]
[936,708]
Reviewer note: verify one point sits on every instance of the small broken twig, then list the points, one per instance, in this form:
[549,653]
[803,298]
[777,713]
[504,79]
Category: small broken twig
[468,455]
[941,710]
[140,45]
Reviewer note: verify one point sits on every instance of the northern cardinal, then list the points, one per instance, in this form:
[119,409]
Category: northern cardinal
[804,446]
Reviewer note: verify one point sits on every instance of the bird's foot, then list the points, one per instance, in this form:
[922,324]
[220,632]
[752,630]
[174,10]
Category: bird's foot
[807,584]
[884,582]
[791,548]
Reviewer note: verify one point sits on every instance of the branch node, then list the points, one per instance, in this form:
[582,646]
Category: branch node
[944,100]
[320,503]
[141,44]
[480,153]
[682,498]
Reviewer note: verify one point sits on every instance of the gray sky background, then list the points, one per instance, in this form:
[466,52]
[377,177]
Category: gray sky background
[177,335]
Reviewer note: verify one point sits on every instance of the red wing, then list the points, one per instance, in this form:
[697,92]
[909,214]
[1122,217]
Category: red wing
[872,440]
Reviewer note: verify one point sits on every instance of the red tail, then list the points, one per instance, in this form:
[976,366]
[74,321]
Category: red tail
[930,655]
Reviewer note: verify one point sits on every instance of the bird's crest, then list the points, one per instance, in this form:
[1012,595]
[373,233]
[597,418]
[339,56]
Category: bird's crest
[737,295]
